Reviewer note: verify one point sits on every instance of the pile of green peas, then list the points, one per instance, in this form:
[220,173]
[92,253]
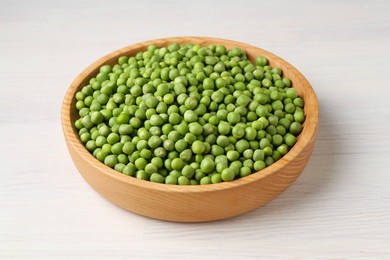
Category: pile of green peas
[189,115]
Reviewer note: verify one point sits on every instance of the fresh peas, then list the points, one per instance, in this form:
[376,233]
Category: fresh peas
[228,174]
[295,128]
[216,178]
[238,131]
[110,160]
[207,165]
[259,165]
[242,145]
[183,180]
[223,141]
[198,147]
[290,139]
[232,155]
[195,128]
[155,177]
[208,83]
[177,164]
[205,180]
[171,179]
[233,117]
[250,133]
[189,115]
[156,120]
[223,128]
[154,142]
[188,171]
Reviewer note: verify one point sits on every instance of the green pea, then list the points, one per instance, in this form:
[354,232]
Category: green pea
[190,116]
[177,164]
[154,142]
[216,178]
[117,148]
[291,93]
[188,171]
[125,129]
[169,145]
[261,61]
[276,155]
[258,155]
[267,151]
[228,174]
[208,83]
[223,141]
[142,175]
[259,165]
[224,128]
[250,133]
[182,180]
[245,171]
[171,179]
[198,147]
[289,139]
[156,120]
[217,96]
[180,145]
[205,180]
[238,132]
[195,128]
[111,160]
[248,154]
[151,168]
[298,102]
[186,155]
[282,149]
[232,155]
[295,128]
[140,163]
[269,160]
[242,145]
[207,165]
[129,169]
[155,177]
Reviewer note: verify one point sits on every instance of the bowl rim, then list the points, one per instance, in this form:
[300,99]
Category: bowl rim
[311,119]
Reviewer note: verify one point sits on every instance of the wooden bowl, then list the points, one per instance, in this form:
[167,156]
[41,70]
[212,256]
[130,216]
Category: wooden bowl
[192,203]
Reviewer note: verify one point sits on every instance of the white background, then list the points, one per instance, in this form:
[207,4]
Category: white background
[338,208]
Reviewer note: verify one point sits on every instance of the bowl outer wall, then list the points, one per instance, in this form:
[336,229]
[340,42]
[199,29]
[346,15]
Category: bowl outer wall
[193,203]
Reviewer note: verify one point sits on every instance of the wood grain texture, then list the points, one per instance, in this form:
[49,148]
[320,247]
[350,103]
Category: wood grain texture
[192,203]
[337,209]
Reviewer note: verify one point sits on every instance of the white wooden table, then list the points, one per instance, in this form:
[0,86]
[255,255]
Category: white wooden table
[338,208]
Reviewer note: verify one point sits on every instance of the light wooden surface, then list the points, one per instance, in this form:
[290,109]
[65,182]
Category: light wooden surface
[338,208]
[197,203]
